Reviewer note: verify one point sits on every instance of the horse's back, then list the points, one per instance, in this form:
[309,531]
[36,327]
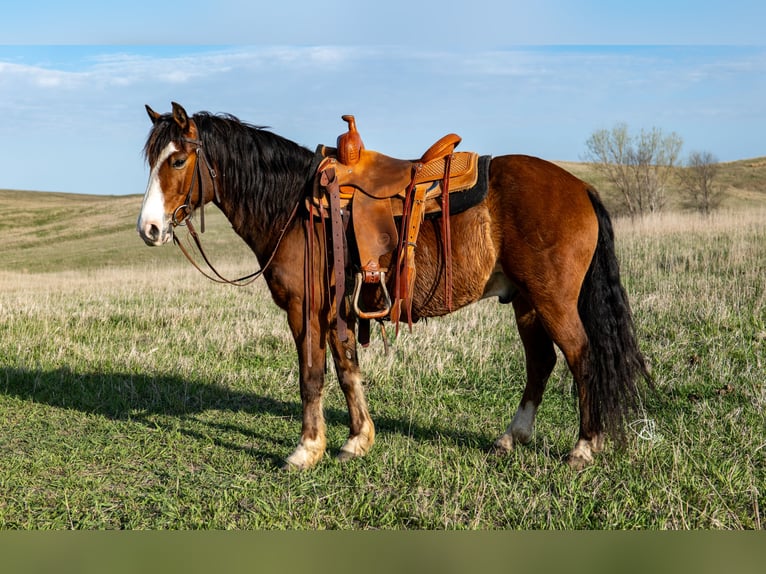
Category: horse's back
[534,190]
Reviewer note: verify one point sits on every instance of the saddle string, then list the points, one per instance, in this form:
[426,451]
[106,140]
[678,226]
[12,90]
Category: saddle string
[446,234]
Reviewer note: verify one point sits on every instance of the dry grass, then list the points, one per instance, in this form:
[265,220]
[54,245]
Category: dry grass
[136,394]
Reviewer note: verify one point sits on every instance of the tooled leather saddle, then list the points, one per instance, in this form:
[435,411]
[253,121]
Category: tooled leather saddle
[382,201]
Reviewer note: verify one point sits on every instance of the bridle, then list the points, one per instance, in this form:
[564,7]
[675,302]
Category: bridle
[199,151]
[185,220]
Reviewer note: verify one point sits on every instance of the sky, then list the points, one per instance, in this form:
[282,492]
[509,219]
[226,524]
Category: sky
[510,77]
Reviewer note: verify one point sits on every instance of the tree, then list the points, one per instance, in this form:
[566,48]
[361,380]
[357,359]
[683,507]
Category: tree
[638,166]
[698,181]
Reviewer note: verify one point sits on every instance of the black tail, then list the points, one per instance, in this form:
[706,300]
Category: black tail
[616,364]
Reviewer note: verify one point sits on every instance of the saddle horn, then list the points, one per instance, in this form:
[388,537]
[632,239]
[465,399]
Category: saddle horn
[350,144]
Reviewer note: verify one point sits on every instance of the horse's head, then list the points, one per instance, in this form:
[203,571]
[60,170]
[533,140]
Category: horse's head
[180,179]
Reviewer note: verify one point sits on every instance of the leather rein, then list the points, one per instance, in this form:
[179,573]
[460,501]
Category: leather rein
[185,221]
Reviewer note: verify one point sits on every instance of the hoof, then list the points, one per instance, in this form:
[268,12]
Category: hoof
[291,464]
[345,455]
[582,453]
[353,449]
[503,445]
[287,466]
[307,455]
[578,462]
[358,445]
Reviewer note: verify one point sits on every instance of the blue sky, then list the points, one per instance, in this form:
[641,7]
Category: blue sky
[507,76]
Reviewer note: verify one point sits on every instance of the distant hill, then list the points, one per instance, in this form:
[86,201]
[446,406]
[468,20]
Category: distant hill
[42,231]
[744,184]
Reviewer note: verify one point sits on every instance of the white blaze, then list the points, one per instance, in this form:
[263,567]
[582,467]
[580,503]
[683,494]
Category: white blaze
[153,207]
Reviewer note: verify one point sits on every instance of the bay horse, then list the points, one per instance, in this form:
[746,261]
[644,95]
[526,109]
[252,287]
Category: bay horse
[541,239]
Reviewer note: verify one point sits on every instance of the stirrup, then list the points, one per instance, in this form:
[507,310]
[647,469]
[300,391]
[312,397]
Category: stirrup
[380,314]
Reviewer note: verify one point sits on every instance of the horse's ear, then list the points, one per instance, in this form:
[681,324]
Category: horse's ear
[180,117]
[154,116]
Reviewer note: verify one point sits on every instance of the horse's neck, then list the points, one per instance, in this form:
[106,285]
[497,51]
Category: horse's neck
[250,211]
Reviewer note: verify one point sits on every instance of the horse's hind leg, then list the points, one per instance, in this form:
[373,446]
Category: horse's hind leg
[540,360]
[361,429]
[568,332]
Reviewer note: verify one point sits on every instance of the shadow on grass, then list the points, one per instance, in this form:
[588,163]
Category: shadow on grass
[150,400]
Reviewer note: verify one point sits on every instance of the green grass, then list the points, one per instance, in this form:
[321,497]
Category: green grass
[136,394]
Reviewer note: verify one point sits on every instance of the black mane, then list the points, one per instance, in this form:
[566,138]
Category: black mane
[261,173]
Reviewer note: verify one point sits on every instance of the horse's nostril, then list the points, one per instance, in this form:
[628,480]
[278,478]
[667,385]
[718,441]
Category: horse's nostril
[150,233]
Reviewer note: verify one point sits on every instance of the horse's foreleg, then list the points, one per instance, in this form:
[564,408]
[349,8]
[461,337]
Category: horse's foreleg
[312,445]
[540,360]
[361,429]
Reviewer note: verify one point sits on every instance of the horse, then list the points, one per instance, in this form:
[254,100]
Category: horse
[541,240]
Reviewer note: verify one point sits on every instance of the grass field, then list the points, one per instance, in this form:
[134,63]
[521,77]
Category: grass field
[136,394]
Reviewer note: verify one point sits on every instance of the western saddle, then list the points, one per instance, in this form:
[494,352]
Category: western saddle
[385,200]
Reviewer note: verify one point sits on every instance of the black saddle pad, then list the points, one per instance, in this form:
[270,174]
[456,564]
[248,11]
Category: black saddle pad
[464,200]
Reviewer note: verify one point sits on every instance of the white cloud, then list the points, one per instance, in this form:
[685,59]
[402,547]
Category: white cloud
[17,76]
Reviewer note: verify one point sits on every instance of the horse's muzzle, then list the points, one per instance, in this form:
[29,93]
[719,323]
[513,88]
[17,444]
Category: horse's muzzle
[153,235]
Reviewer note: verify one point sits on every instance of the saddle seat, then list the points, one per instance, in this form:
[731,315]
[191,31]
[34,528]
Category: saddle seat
[379,191]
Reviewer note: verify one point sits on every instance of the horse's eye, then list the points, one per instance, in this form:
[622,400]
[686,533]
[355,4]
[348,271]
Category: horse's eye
[178,163]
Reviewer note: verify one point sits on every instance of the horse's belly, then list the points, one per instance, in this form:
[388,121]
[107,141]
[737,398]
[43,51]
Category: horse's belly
[474,257]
